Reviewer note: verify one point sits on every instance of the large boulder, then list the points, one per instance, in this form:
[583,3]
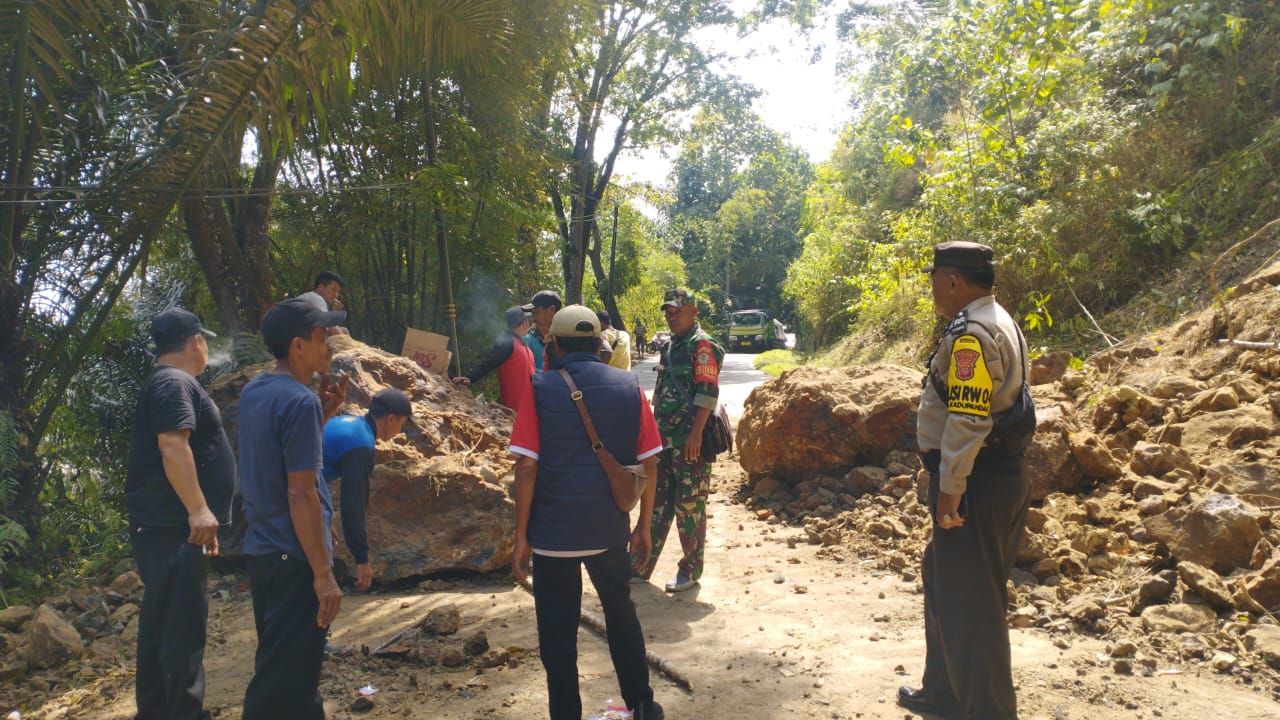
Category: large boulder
[1218,531]
[437,498]
[1255,482]
[815,421]
[430,516]
[1050,465]
[51,640]
[1227,429]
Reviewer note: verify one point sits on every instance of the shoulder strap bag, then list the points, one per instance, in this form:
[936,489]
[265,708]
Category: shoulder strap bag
[626,482]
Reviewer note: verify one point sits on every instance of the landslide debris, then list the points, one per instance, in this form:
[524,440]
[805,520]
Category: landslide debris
[1156,487]
[439,496]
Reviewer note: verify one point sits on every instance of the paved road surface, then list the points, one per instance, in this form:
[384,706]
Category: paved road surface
[737,379]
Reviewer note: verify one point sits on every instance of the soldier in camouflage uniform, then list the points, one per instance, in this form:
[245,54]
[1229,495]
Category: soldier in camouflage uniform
[686,394]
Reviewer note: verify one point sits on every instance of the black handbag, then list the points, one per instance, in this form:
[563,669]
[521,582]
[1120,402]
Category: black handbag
[717,438]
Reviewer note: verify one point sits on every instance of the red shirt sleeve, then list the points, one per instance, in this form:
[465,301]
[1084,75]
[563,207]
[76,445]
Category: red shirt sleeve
[525,431]
[705,368]
[649,442]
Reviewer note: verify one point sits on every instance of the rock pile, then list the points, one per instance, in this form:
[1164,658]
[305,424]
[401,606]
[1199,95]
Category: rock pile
[1154,475]
[439,498]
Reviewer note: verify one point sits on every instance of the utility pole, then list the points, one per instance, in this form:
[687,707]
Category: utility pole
[613,251]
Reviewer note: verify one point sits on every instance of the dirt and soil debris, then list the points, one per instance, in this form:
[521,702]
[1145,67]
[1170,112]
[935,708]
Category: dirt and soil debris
[1147,587]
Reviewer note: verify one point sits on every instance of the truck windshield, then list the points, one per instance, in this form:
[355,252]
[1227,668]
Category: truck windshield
[747,318]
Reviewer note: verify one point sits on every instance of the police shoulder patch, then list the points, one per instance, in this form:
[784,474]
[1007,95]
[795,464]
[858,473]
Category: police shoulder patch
[968,381]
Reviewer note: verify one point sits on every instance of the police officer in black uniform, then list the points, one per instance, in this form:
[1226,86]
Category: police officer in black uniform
[975,419]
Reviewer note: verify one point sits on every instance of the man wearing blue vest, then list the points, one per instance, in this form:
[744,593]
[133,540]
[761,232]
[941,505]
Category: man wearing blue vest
[349,442]
[565,514]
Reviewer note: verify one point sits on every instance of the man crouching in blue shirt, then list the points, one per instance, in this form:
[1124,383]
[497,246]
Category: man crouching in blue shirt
[287,546]
[349,442]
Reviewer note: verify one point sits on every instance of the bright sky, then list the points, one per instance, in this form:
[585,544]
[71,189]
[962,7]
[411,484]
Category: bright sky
[806,101]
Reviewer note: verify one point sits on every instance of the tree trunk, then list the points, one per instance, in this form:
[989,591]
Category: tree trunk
[231,244]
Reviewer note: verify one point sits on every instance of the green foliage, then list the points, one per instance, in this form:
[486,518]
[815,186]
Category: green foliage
[735,212]
[1088,143]
[13,537]
[776,362]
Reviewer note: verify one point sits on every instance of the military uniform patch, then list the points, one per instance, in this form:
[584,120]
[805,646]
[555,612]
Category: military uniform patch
[705,369]
[969,384]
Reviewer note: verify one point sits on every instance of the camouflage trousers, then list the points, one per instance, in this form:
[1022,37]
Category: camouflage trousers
[680,495]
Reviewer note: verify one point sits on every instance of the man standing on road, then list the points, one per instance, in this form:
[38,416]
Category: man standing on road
[181,474]
[543,308]
[972,428]
[616,338]
[565,514]
[687,391]
[511,357]
[288,548]
[641,333]
[349,443]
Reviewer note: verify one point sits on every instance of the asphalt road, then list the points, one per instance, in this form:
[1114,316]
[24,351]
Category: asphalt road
[737,379]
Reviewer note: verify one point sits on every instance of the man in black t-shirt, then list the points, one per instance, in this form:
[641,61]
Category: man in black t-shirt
[178,489]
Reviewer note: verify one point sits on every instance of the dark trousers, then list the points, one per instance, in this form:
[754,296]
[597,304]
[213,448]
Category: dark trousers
[171,626]
[965,572]
[286,666]
[557,598]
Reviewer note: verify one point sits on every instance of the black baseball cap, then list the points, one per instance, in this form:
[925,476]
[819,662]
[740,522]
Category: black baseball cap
[391,401]
[296,317]
[963,255]
[171,329]
[543,298]
[516,315]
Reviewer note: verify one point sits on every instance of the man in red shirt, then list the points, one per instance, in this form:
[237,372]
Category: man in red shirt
[511,357]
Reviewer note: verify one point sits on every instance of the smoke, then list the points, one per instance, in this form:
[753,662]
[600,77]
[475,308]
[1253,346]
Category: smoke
[220,356]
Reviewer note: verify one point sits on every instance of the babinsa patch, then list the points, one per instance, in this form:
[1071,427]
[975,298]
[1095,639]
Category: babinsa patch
[705,369]
[968,382]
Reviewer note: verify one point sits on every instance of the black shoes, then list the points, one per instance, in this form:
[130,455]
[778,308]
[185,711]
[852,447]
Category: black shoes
[648,711]
[918,701]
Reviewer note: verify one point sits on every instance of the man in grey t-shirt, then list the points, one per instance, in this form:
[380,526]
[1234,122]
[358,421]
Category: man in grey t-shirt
[324,296]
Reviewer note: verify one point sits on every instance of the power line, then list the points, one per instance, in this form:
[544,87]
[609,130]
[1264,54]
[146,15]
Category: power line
[78,193]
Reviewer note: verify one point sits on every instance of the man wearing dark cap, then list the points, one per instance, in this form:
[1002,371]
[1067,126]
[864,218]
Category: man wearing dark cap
[565,515]
[974,420]
[686,393]
[288,548]
[511,357]
[542,309]
[349,443]
[181,474]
